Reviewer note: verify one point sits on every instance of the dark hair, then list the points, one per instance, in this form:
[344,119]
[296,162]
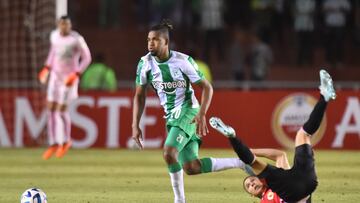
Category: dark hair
[164,27]
[64,17]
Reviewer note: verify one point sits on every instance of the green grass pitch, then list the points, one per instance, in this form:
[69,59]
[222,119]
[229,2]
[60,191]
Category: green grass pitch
[94,175]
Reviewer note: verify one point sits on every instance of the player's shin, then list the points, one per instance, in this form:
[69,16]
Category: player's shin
[242,150]
[220,164]
[177,182]
[314,121]
[51,127]
[65,116]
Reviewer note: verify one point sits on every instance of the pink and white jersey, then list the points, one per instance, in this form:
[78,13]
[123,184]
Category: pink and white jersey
[65,53]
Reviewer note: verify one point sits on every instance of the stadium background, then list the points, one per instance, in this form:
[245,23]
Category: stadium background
[117,30]
[266,113]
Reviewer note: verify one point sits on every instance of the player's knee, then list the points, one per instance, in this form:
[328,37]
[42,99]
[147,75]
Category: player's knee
[192,168]
[302,138]
[189,170]
[62,107]
[51,106]
[170,155]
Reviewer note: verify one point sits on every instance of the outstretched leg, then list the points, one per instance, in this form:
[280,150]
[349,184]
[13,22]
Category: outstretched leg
[240,148]
[192,165]
[327,92]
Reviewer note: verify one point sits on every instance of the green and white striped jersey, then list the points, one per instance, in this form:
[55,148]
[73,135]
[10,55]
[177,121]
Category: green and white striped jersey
[171,80]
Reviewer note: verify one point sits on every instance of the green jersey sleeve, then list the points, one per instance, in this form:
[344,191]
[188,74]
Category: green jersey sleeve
[141,75]
[192,71]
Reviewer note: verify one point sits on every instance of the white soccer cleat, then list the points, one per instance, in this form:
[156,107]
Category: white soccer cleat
[218,125]
[326,86]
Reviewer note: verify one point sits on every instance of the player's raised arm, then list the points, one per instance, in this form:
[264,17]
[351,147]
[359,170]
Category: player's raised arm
[276,155]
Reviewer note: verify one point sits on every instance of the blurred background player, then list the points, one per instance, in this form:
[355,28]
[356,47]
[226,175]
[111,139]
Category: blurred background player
[62,70]
[171,73]
[99,76]
[293,184]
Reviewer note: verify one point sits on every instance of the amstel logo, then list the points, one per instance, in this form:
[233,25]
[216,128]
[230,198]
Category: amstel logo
[289,116]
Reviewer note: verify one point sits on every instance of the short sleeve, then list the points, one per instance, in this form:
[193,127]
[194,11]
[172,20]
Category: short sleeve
[141,76]
[191,70]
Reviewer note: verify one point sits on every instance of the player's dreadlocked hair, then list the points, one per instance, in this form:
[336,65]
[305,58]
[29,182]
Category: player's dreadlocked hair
[164,27]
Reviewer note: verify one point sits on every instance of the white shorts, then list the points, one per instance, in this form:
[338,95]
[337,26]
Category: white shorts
[58,92]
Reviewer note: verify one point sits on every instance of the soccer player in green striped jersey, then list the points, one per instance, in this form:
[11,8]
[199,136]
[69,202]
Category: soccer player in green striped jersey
[171,74]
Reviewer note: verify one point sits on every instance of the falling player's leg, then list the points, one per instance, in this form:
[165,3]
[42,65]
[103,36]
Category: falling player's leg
[51,130]
[241,149]
[304,156]
[327,92]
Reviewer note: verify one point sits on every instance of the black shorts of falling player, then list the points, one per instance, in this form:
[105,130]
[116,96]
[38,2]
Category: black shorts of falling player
[297,183]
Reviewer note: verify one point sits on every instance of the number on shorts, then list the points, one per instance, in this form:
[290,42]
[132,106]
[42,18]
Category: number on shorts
[179,138]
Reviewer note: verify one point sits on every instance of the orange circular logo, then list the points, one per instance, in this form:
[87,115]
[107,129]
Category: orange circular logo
[289,116]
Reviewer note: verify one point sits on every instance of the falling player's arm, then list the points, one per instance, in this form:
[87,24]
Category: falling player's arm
[276,155]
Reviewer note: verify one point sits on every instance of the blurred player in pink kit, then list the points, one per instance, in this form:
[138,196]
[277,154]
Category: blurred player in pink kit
[68,57]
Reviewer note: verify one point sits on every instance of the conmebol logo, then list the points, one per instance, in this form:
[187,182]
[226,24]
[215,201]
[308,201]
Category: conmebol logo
[289,116]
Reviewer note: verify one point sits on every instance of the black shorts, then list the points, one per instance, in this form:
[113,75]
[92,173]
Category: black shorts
[304,162]
[296,183]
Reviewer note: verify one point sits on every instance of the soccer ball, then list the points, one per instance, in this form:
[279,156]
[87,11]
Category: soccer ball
[33,195]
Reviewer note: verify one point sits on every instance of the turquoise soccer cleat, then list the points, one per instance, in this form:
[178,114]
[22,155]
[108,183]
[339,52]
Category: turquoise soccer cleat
[326,86]
[218,125]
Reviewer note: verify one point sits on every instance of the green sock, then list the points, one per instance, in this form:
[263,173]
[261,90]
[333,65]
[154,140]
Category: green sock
[206,165]
[175,167]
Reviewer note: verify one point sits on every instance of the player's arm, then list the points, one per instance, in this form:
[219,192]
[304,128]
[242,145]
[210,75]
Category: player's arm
[276,155]
[139,101]
[196,77]
[138,109]
[84,54]
[50,58]
[206,96]
[45,71]
[84,63]
[51,55]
